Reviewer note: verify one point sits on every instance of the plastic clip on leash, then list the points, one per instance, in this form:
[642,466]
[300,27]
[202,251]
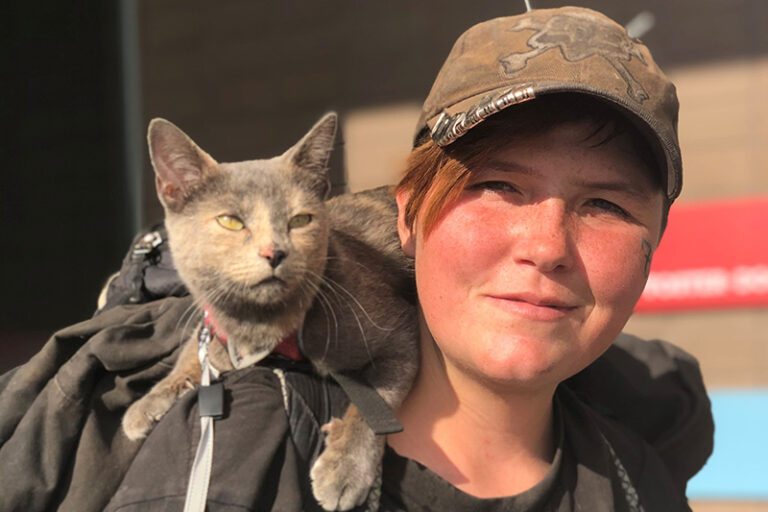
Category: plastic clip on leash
[211,406]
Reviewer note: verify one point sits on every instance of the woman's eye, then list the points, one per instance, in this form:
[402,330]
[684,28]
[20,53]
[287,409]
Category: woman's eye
[230,222]
[608,206]
[501,186]
[299,221]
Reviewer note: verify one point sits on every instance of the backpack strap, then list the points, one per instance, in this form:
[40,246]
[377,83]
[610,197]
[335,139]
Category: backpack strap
[147,273]
[310,402]
[374,409]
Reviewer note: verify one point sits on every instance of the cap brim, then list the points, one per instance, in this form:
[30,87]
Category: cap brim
[663,144]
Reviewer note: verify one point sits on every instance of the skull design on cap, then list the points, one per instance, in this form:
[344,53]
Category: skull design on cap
[578,37]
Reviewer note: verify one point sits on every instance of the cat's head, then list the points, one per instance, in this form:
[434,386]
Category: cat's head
[245,234]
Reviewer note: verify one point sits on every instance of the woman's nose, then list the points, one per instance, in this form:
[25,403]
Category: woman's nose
[542,236]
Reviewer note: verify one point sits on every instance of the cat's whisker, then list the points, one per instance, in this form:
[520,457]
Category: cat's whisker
[218,294]
[351,296]
[349,261]
[188,323]
[333,298]
[327,307]
[229,291]
[333,338]
[324,300]
[329,282]
[324,284]
[186,317]
[215,295]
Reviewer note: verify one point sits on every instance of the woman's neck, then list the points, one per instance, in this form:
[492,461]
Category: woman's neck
[483,437]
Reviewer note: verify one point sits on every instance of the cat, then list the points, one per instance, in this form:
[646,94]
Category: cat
[261,249]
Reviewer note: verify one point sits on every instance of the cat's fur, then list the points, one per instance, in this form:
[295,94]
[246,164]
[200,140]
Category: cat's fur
[342,277]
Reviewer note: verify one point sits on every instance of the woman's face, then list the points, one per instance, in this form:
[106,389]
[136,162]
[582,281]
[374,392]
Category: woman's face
[532,272]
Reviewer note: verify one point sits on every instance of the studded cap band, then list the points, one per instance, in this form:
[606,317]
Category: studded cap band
[449,128]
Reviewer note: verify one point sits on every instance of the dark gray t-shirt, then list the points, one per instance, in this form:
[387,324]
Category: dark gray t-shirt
[409,485]
[587,474]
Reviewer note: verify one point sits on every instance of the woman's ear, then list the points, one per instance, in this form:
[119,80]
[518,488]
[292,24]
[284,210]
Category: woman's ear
[407,235]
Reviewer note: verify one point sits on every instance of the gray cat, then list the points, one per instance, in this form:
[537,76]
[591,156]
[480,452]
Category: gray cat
[259,247]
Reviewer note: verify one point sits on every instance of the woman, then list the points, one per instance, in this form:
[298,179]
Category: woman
[545,162]
[532,227]
[524,278]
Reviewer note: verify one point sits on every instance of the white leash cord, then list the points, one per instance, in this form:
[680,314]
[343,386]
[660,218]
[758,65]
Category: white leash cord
[210,404]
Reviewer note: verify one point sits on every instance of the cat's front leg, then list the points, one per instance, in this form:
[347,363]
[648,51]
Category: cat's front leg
[142,415]
[344,473]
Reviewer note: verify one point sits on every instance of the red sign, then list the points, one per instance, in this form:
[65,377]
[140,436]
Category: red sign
[713,255]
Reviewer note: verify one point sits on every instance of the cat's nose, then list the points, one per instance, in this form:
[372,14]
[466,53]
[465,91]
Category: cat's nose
[272,255]
[275,258]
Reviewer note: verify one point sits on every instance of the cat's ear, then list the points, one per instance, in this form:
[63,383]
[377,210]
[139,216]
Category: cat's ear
[180,165]
[312,152]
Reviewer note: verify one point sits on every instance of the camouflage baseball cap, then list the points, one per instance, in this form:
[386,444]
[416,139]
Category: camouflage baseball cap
[505,61]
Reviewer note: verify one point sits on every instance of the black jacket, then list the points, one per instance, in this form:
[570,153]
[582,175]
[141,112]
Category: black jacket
[61,446]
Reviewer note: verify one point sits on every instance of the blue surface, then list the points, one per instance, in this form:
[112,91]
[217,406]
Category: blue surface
[738,468]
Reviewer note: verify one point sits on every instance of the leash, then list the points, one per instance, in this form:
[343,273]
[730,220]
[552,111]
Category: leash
[211,406]
[210,403]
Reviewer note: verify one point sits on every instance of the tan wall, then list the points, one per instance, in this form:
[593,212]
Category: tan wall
[377,142]
[724,128]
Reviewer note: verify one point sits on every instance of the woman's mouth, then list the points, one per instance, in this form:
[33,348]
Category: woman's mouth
[533,307]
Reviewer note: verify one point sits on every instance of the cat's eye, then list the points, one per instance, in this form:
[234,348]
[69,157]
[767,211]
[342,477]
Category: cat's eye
[230,222]
[299,221]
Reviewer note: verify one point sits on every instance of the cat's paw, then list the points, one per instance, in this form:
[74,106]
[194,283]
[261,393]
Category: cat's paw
[343,474]
[143,414]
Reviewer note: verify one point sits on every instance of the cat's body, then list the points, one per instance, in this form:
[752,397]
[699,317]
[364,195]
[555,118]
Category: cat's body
[260,249]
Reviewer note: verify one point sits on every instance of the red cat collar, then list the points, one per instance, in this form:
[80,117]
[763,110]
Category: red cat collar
[288,347]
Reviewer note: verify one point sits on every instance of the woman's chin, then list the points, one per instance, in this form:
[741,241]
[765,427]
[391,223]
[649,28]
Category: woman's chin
[514,375]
